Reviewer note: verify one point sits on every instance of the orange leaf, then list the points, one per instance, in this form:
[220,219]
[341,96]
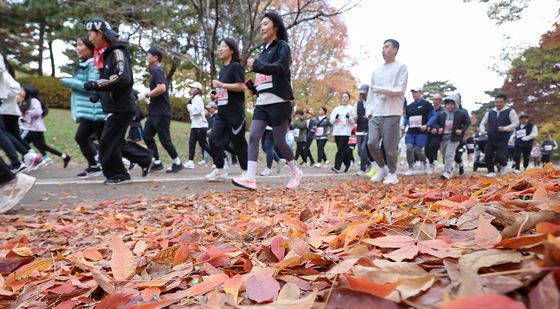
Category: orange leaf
[150,293]
[123,264]
[486,235]
[484,301]
[376,289]
[92,254]
[181,255]
[26,270]
[154,305]
[548,228]
[63,289]
[167,255]
[299,246]
[207,285]
[232,286]
[117,299]
[540,194]
[522,241]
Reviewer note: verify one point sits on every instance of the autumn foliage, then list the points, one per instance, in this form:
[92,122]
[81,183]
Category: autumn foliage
[466,243]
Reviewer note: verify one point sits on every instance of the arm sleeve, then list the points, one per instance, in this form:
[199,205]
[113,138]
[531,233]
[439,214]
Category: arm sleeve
[482,126]
[197,106]
[534,133]
[399,88]
[120,78]
[432,118]
[35,109]
[332,118]
[278,67]
[514,119]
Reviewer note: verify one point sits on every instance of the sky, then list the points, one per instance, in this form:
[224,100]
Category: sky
[442,40]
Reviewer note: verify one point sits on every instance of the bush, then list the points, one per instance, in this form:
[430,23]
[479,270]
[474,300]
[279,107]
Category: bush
[52,91]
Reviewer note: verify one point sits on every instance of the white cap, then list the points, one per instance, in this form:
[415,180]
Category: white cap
[196,85]
[416,89]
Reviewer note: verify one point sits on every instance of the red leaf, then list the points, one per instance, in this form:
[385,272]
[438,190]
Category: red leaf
[67,304]
[276,248]
[376,289]
[123,264]
[207,285]
[92,254]
[486,235]
[118,299]
[484,301]
[150,293]
[63,289]
[154,305]
[262,287]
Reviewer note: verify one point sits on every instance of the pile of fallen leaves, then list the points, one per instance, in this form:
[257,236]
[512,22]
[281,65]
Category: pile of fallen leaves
[425,243]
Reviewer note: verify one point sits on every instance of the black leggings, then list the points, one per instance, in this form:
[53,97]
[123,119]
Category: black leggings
[87,128]
[526,152]
[432,148]
[38,140]
[300,151]
[342,149]
[6,173]
[11,123]
[8,147]
[321,156]
[308,154]
[278,135]
[197,135]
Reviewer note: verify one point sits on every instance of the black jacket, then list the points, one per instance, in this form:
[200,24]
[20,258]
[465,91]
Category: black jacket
[275,61]
[461,122]
[115,80]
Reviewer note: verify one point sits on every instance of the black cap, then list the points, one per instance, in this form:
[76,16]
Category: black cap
[98,24]
[155,52]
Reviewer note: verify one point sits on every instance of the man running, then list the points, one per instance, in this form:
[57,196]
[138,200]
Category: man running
[525,135]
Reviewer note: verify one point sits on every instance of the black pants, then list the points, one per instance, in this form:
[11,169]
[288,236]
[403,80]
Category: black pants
[161,126]
[87,128]
[111,144]
[8,147]
[308,154]
[363,152]
[6,173]
[432,148]
[321,156]
[341,152]
[38,140]
[526,152]
[459,153]
[495,152]
[11,123]
[300,151]
[546,158]
[226,130]
[197,135]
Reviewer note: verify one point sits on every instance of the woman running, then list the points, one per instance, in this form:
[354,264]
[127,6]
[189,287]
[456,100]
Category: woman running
[199,124]
[274,95]
[322,125]
[341,117]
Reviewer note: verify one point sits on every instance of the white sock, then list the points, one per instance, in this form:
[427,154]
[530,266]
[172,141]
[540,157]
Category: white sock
[176,161]
[157,162]
[251,169]
[293,166]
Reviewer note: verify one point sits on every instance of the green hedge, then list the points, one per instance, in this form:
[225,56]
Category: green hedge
[52,91]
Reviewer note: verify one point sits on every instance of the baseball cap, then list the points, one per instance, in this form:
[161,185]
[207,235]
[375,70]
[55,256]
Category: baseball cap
[211,105]
[416,89]
[196,85]
[523,115]
[155,52]
[364,88]
[98,24]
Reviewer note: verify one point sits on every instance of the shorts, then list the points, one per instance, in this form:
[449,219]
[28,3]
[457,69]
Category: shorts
[274,114]
[418,140]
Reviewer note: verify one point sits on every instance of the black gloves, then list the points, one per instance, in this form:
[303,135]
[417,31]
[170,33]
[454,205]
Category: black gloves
[347,116]
[336,116]
[94,97]
[91,85]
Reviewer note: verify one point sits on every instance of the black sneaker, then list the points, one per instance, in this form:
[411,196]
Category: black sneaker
[335,170]
[147,168]
[175,168]
[90,172]
[117,181]
[18,167]
[461,170]
[156,167]
[66,160]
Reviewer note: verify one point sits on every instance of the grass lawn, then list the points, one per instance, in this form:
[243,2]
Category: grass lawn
[61,129]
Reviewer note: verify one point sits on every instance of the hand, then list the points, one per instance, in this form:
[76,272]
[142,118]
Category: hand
[91,85]
[434,131]
[458,132]
[217,84]
[440,130]
[142,96]
[502,129]
[481,133]
[423,128]
[250,62]
[525,138]
[94,98]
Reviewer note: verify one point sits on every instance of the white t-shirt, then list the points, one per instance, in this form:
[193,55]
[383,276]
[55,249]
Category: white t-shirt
[386,92]
[342,126]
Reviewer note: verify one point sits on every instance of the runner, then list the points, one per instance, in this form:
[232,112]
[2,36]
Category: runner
[361,120]
[89,115]
[461,149]
[342,120]
[451,124]
[159,114]
[384,107]
[199,124]
[273,106]
[548,146]
[34,110]
[434,138]
[322,136]
[112,59]
[229,124]
[536,154]
[419,115]
[498,125]
[300,133]
[525,135]
[310,136]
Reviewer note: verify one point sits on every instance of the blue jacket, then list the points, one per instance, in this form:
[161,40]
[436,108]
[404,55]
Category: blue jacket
[80,106]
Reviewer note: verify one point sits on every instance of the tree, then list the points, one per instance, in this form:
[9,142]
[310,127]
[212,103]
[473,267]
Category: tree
[503,11]
[443,87]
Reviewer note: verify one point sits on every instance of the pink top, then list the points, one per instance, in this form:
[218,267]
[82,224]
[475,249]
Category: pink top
[34,117]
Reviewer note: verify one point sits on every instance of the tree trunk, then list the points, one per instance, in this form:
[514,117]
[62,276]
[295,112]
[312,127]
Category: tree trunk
[51,56]
[41,47]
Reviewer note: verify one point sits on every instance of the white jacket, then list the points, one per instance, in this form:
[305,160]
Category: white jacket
[9,90]
[342,126]
[196,112]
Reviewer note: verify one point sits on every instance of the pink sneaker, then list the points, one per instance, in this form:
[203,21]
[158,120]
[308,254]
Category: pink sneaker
[36,162]
[294,179]
[245,182]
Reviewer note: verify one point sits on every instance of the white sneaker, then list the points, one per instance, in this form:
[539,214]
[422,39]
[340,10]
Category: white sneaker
[409,172]
[360,173]
[326,164]
[280,165]
[391,179]
[189,165]
[434,166]
[202,162]
[14,191]
[428,169]
[490,175]
[218,174]
[266,172]
[294,179]
[378,177]
[125,161]
[503,171]
[446,175]
[517,171]
[48,161]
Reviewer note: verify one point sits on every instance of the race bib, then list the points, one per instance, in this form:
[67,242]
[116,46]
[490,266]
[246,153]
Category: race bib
[222,96]
[448,126]
[296,132]
[353,140]
[520,133]
[340,122]
[548,147]
[263,82]
[319,131]
[415,121]
[470,146]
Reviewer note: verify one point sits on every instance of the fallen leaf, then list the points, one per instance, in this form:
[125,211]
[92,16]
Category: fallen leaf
[151,293]
[207,285]
[262,287]
[154,305]
[232,286]
[347,298]
[67,304]
[486,258]
[376,289]
[118,299]
[484,301]
[140,247]
[92,254]
[486,235]
[545,294]
[123,264]
[277,249]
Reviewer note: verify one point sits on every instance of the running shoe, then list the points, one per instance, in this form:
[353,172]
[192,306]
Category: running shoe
[175,168]
[189,165]
[91,171]
[266,172]
[245,182]
[391,179]
[66,159]
[13,191]
[156,167]
[294,179]
[217,174]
